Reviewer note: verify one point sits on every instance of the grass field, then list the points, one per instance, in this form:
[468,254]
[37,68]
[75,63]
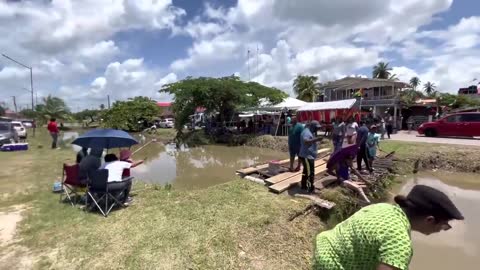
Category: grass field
[237,225]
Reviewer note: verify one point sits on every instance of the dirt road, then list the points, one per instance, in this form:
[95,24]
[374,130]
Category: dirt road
[414,137]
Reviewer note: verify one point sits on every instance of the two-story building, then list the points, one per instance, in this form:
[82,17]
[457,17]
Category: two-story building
[380,96]
[472,91]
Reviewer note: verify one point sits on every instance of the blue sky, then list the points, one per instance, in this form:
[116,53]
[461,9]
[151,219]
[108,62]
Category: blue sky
[85,50]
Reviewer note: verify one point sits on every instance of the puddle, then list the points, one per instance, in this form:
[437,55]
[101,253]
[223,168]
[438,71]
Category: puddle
[198,167]
[458,248]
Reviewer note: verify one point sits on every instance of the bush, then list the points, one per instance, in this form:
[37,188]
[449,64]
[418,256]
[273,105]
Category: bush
[132,115]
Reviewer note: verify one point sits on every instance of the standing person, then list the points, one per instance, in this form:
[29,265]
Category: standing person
[383,129]
[377,237]
[294,133]
[352,127]
[373,140]
[53,129]
[362,135]
[389,126]
[308,154]
[338,134]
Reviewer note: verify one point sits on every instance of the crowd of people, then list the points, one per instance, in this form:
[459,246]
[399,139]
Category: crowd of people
[377,236]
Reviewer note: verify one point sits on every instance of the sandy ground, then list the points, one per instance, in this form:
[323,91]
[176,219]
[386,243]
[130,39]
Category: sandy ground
[414,137]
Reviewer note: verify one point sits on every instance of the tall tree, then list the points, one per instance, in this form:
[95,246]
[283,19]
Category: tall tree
[381,71]
[393,77]
[53,107]
[305,88]
[429,88]
[415,82]
[223,95]
[131,115]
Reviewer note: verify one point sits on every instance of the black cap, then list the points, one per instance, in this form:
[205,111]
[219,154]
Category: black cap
[315,123]
[430,201]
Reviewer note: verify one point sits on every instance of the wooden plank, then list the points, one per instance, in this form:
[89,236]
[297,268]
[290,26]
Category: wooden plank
[284,176]
[284,185]
[253,169]
[317,200]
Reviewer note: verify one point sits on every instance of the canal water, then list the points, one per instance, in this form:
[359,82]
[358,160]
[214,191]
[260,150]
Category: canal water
[458,248]
[198,167]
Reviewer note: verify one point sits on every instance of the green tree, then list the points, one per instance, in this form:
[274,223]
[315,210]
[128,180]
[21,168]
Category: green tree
[53,107]
[87,116]
[381,71]
[2,111]
[131,115]
[393,77]
[409,96]
[29,113]
[429,88]
[305,88]
[457,101]
[102,107]
[223,95]
[415,82]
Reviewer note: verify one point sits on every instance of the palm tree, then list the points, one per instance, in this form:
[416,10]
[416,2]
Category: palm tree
[53,107]
[429,88]
[381,71]
[305,88]
[393,77]
[415,82]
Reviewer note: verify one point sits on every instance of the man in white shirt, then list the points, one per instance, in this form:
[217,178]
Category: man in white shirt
[115,170]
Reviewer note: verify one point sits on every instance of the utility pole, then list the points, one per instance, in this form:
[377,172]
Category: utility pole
[31,74]
[15,103]
[108,100]
[248,64]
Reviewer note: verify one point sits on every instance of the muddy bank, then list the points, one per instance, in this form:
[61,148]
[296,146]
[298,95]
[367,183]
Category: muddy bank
[449,158]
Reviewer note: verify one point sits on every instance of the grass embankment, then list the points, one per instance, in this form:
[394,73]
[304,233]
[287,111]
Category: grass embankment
[238,225]
[232,226]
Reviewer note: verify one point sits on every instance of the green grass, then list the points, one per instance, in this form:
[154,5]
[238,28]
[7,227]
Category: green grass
[237,225]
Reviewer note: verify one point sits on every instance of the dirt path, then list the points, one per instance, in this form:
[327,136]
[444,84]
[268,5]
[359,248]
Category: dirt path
[13,256]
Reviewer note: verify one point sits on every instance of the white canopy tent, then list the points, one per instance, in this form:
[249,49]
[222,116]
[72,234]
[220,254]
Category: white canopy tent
[330,105]
[289,103]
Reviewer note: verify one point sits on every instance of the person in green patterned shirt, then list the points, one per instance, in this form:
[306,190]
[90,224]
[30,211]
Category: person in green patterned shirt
[377,237]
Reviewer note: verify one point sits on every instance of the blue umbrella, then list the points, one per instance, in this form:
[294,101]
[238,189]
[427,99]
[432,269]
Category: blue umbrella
[105,139]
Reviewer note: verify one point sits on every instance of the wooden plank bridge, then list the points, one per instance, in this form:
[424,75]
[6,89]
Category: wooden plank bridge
[286,180]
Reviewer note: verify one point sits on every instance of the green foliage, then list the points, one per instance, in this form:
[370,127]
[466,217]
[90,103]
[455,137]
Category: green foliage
[2,111]
[457,101]
[409,96]
[223,95]
[87,116]
[429,88]
[29,113]
[131,114]
[305,88]
[52,107]
[381,71]
[415,82]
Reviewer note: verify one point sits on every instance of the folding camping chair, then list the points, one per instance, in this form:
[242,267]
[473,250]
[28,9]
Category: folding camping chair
[99,192]
[71,183]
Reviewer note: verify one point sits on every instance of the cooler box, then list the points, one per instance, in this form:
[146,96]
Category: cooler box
[14,147]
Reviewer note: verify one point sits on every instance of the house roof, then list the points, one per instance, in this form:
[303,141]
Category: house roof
[164,104]
[330,105]
[359,83]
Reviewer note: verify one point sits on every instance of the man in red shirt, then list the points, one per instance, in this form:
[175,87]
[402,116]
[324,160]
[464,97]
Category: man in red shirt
[53,129]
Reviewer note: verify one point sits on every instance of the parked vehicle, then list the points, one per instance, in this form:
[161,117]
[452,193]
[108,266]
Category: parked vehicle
[8,134]
[20,128]
[459,124]
[167,123]
[27,123]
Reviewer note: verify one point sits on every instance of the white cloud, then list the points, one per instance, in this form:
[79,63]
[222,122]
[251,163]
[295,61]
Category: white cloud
[169,78]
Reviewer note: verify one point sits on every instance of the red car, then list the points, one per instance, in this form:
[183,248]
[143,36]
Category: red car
[459,124]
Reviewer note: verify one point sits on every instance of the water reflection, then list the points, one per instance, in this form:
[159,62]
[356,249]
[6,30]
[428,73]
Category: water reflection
[200,166]
[458,248]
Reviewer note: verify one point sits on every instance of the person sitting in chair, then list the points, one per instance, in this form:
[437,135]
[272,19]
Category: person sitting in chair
[115,169]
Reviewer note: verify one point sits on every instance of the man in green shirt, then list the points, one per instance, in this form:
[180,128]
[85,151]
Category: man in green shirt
[294,133]
[377,237]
